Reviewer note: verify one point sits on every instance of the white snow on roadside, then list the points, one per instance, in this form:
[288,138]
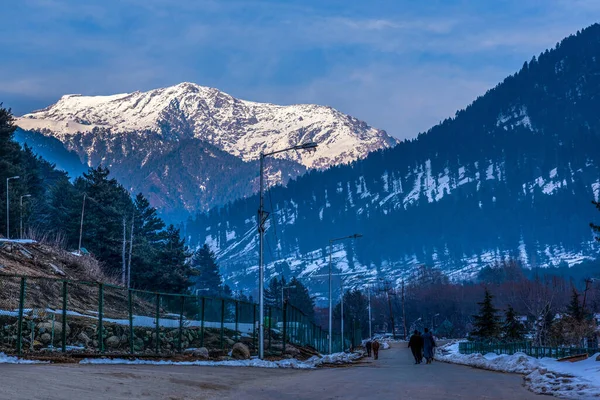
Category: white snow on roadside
[4,359]
[313,362]
[22,241]
[576,380]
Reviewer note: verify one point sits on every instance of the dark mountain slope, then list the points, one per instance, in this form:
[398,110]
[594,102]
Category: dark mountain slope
[511,175]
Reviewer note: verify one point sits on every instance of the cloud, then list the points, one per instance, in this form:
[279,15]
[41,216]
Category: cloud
[400,65]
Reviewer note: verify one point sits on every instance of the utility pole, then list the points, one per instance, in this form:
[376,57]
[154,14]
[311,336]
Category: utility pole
[369,293]
[130,251]
[81,224]
[355,236]
[262,219]
[387,289]
[8,206]
[123,249]
[403,312]
[21,215]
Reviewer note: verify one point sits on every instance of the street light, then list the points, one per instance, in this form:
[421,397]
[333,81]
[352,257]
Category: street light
[8,206]
[21,216]
[433,321]
[355,236]
[262,219]
[81,223]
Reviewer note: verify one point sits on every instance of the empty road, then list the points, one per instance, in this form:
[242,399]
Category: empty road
[393,376]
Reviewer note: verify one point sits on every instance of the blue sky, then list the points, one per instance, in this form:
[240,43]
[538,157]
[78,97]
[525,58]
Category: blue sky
[400,65]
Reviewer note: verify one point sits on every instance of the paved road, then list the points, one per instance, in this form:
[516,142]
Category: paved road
[393,376]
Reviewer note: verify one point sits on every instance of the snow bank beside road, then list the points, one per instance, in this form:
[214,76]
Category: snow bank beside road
[4,359]
[576,380]
[313,362]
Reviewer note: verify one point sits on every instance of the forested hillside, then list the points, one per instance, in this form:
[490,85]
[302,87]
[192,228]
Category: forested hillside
[513,174]
[53,211]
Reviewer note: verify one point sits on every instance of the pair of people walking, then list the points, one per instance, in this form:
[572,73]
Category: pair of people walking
[422,346]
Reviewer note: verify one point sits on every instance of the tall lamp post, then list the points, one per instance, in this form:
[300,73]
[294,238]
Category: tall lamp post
[21,215]
[81,223]
[369,294]
[433,321]
[262,219]
[8,206]
[355,236]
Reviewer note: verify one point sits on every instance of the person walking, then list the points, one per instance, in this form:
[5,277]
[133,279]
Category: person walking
[416,346]
[368,347]
[428,346]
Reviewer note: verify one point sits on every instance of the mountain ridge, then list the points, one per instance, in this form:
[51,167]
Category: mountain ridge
[240,127]
[124,131]
[512,175]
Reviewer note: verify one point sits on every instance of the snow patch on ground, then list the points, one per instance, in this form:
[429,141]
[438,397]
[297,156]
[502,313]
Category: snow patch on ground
[313,362]
[578,380]
[22,241]
[4,359]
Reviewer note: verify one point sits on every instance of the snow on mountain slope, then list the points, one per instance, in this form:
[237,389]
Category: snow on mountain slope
[241,128]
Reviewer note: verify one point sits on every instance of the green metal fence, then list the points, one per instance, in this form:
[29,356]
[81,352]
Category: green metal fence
[41,315]
[523,347]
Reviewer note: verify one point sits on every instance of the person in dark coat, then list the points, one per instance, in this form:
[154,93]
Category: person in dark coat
[368,346]
[416,346]
[428,346]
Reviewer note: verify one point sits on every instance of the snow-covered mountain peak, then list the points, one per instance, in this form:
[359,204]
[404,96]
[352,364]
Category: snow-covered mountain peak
[241,128]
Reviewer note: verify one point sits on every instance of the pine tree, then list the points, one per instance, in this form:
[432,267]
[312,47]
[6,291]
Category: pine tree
[148,233]
[273,292]
[512,329]
[486,323]
[300,298]
[174,273]
[574,309]
[208,280]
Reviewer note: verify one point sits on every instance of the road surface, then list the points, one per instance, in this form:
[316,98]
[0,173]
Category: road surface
[393,376]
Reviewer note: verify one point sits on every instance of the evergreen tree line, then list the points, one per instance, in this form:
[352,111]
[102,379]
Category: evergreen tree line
[545,308]
[120,231]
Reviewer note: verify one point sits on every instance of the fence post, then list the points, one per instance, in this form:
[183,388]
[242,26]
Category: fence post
[21,306]
[254,327]
[284,327]
[64,318]
[202,322]
[181,324]
[222,322]
[237,304]
[270,327]
[157,342]
[130,307]
[100,315]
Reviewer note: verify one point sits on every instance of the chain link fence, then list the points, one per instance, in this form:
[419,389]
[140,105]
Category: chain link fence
[523,347]
[45,316]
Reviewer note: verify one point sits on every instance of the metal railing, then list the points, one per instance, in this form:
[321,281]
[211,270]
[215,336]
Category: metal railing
[40,315]
[523,347]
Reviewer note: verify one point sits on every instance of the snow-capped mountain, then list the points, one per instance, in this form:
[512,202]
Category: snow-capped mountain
[238,127]
[189,147]
[511,176]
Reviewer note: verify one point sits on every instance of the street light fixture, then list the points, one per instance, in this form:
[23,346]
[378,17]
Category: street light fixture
[262,219]
[21,216]
[433,321]
[355,236]
[81,223]
[8,206]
